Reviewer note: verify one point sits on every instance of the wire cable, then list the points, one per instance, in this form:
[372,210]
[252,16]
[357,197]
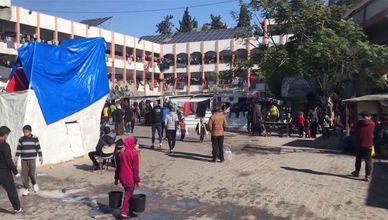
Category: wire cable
[138,11]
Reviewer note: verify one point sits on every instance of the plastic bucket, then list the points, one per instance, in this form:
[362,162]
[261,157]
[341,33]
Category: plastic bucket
[138,202]
[115,198]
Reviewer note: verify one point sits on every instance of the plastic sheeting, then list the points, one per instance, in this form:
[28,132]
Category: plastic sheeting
[65,78]
[20,108]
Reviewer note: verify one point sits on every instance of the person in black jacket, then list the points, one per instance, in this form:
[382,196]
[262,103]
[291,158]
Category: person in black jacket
[156,123]
[7,167]
[129,119]
[107,138]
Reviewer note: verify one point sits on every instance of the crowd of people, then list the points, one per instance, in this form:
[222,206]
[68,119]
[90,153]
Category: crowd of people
[166,121]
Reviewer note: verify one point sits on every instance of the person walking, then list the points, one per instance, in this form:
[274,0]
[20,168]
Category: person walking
[250,117]
[256,120]
[118,120]
[313,121]
[128,174]
[364,130]
[105,115]
[301,122]
[156,123]
[201,129]
[289,122]
[183,128]
[171,122]
[28,148]
[165,112]
[217,125]
[7,167]
[326,126]
[129,119]
[112,108]
[273,113]
[339,129]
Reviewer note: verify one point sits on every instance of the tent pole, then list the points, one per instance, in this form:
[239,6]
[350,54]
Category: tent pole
[347,120]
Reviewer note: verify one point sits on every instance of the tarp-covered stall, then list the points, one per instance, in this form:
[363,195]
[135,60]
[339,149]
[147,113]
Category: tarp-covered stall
[377,106]
[67,89]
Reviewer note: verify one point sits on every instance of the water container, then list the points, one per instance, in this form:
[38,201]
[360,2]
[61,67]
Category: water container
[228,154]
[138,202]
[115,198]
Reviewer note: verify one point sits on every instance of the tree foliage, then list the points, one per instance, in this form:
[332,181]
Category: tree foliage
[187,24]
[343,2]
[216,22]
[165,26]
[326,50]
[244,17]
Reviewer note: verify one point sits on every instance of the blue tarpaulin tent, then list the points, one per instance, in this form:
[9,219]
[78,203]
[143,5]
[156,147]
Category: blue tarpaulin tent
[65,78]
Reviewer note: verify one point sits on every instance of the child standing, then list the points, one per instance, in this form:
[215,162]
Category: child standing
[182,126]
[201,130]
[28,148]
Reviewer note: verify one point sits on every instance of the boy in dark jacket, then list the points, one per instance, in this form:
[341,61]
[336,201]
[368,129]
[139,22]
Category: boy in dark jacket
[7,167]
[364,130]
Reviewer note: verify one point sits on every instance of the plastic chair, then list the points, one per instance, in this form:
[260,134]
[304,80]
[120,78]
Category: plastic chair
[106,150]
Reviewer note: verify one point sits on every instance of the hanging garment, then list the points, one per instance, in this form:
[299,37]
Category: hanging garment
[193,107]
[201,110]
[186,109]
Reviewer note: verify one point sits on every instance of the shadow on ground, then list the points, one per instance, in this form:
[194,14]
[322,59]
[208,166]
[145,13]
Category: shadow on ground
[190,156]
[317,143]
[5,211]
[85,167]
[250,148]
[378,193]
[320,173]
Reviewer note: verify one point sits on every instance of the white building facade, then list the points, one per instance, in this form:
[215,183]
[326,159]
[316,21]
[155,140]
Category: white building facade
[194,58]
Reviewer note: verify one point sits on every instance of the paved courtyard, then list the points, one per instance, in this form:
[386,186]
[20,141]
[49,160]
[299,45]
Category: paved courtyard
[267,178]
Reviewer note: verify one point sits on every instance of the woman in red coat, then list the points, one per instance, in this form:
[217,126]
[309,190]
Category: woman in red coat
[128,172]
[301,121]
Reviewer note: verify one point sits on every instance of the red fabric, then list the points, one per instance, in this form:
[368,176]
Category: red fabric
[186,109]
[301,120]
[18,82]
[364,130]
[129,163]
[128,192]
[182,124]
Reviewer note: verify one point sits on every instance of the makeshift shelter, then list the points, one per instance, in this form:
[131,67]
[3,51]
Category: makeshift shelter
[377,105]
[374,104]
[60,91]
[193,108]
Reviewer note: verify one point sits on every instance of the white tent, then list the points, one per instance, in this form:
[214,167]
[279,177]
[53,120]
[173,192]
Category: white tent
[60,91]
[60,141]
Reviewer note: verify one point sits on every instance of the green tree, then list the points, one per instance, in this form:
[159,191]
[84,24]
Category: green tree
[325,49]
[187,24]
[165,26]
[216,22]
[343,2]
[244,17]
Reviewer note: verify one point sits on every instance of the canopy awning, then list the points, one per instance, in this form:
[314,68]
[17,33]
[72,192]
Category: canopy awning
[188,99]
[368,98]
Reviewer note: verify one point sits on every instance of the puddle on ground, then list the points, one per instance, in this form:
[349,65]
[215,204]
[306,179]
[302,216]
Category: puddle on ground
[60,193]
